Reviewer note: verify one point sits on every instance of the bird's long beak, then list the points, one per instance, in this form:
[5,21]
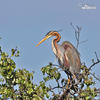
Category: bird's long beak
[45,38]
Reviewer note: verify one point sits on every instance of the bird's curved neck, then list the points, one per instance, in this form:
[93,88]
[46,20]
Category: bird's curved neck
[55,41]
[58,37]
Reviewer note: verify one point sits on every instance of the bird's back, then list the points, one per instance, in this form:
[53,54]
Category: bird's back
[71,57]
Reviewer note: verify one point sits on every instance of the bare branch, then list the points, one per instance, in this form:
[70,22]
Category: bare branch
[97,78]
[57,87]
[77,33]
[98,91]
[83,41]
[64,95]
[53,64]
[94,63]
[96,56]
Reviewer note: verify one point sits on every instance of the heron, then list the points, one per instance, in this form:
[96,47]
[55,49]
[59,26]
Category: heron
[67,55]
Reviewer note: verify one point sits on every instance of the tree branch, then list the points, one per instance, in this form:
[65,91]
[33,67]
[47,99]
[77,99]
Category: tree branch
[77,34]
[94,63]
[93,74]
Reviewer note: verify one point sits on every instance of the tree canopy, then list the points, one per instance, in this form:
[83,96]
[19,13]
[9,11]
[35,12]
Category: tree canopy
[18,84]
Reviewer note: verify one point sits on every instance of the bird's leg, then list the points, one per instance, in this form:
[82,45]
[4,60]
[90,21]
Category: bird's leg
[74,79]
[74,76]
[68,82]
[74,83]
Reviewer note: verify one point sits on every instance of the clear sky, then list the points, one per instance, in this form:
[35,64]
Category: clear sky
[23,23]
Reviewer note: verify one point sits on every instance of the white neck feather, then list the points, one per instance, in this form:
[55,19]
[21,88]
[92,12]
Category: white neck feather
[53,48]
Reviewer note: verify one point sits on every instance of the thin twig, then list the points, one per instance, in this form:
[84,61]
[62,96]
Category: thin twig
[56,87]
[77,34]
[83,41]
[53,64]
[94,63]
[96,56]
[64,95]
[93,74]
[98,91]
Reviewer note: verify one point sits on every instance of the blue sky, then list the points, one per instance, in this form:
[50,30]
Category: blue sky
[23,23]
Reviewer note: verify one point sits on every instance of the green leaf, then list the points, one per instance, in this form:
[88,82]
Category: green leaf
[57,76]
[47,95]
[35,97]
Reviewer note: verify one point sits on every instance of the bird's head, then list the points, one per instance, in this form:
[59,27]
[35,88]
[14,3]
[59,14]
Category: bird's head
[48,35]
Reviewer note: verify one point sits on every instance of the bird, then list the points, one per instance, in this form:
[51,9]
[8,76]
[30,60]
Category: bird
[67,55]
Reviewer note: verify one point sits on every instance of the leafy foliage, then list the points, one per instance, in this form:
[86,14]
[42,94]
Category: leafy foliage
[18,84]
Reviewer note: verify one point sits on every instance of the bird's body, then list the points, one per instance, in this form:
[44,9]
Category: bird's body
[68,57]
[67,54]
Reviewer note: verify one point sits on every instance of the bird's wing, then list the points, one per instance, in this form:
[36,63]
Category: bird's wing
[66,60]
[72,59]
